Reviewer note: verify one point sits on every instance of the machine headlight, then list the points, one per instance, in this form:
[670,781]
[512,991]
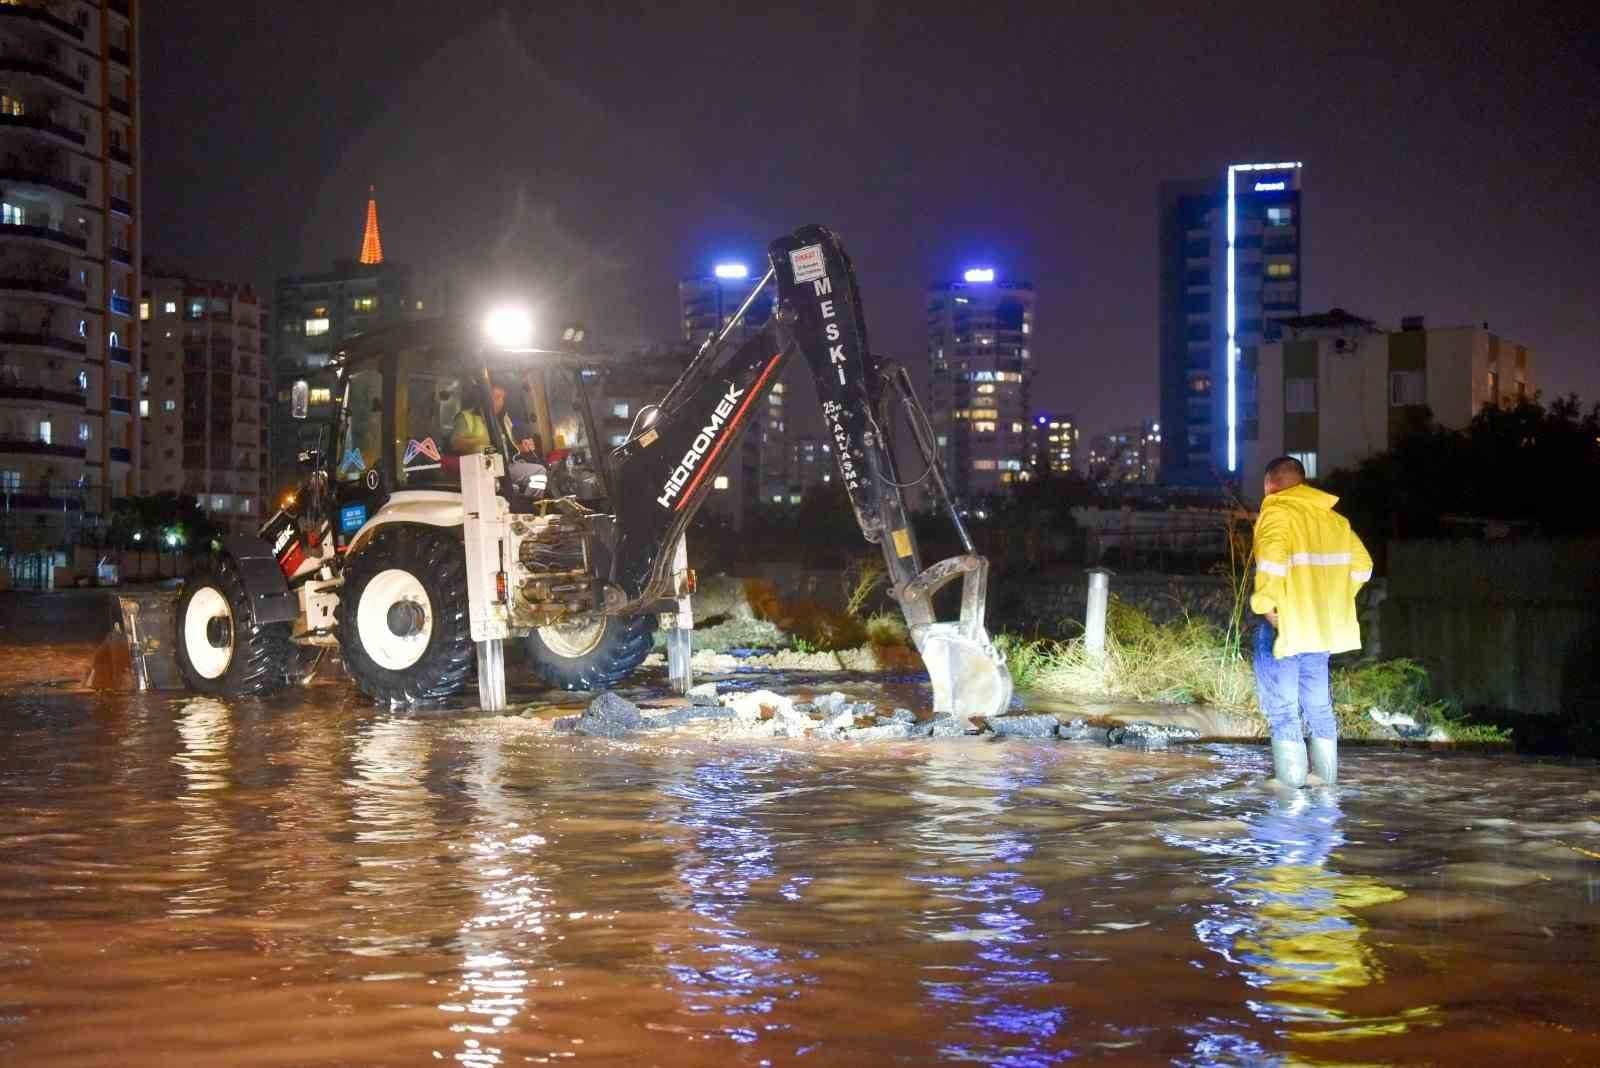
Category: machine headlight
[509,327]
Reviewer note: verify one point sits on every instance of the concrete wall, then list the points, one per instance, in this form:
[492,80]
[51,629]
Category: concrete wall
[1507,625]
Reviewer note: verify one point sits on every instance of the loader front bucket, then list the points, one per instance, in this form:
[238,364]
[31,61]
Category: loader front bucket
[139,654]
[968,673]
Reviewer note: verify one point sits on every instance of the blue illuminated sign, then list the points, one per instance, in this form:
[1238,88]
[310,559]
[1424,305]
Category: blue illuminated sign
[1271,187]
[980,274]
[732,270]
[351,517]
[1232,323]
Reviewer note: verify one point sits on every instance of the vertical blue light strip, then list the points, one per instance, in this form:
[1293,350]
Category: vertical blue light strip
[1232,349]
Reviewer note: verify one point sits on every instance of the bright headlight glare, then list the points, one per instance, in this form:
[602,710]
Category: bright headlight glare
[509,327]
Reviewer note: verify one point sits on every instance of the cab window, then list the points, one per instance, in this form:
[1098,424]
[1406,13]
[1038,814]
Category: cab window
[361,444]
[426,406]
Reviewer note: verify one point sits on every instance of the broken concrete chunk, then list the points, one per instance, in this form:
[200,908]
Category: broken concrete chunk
[948,726]
[903,715]
[1025,726]
[1078,731]
[886,732]
[610,716]
[703,694]
[1149,735]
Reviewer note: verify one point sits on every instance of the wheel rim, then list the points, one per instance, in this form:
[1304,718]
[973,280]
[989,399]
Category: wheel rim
[572,638]
[208,606]
[395,652]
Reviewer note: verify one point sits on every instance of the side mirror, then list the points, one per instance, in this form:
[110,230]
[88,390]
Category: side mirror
[299,399]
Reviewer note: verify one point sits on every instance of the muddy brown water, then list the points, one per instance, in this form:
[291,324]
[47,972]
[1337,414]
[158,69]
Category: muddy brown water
[311,880]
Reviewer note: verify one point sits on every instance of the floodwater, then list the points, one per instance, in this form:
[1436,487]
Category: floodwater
[310,880]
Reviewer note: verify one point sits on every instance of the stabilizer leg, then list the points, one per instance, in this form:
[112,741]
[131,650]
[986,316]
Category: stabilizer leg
[492,675]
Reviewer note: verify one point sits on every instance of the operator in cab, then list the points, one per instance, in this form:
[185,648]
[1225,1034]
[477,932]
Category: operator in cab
[470,432]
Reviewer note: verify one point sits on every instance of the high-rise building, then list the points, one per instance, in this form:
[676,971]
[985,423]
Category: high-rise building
[761,477]
[314,314]
[980,334]
[1337,389]
[811,464]
[69,266]
[205,397]
[1230,268]
[1127,456]
[1054,444]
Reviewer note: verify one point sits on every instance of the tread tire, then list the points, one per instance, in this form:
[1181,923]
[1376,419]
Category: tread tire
[622,648]
[436,558]
[262,654]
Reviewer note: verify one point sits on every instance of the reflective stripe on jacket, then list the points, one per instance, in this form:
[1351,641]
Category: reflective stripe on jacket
[1309,565]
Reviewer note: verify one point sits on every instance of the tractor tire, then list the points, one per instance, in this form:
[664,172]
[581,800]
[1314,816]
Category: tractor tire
[218,652]
[592,653]
[404,631]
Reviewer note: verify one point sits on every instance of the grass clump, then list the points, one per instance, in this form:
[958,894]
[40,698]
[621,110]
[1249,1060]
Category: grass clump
[1401,687]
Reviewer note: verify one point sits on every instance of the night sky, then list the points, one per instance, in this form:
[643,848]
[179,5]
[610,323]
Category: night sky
[590,154]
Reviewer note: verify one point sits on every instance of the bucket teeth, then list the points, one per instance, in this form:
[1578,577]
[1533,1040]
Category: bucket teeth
[968,673]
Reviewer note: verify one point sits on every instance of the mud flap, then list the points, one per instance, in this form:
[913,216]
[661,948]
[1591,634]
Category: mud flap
[968,673]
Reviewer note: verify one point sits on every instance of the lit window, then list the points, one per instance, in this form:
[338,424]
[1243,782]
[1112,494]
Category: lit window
[144,407]
[316,327]
[46,431]
[116,341]
[419,305]
[83,381]
[794,498]
[1027,327]
[984,427]
[777,498]
[219,504]
[83,328]
[11,481]
[10,105]
[618,439]
[1280,216]
[1407,388]
[144,310]
[1299,395]
[775,399]
[983,465]
[619,410]
[197,307]
[11,214]
[169,405]
[1016,428]
[364,304]
[1308,460]
[320,395]
[170,307]
[986,388]
[720,482]
[83,431]
[1280,270]
[777,387]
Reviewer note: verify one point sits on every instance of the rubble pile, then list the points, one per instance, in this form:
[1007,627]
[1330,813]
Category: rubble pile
[762,714]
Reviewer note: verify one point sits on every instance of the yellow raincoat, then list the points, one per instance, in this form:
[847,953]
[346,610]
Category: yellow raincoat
[1309,565]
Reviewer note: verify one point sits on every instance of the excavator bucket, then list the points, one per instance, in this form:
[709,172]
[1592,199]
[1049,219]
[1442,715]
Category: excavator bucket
[138,654]
[968,673]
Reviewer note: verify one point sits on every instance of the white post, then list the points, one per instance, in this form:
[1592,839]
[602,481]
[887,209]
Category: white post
[492,675]
[1094,623]
[680,644]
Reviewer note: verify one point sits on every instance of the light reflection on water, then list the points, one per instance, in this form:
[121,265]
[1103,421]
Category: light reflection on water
[273,883]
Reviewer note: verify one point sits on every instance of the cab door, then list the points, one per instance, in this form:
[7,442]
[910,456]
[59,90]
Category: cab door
[362,471]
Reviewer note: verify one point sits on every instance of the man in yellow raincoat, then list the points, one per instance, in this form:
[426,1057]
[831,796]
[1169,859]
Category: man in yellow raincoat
[1309,566]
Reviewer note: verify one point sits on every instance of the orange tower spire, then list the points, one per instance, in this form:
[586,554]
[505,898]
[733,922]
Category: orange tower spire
[371,243]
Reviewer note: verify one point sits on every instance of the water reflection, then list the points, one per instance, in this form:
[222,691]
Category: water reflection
[1292,928]
[205,730]
[990,984]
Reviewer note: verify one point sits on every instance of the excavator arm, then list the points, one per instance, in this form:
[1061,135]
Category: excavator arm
[663,473]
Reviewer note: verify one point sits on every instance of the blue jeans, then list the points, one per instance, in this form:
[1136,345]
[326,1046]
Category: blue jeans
[1291,687]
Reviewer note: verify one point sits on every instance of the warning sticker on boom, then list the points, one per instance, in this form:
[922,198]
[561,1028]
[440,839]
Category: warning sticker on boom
[808,264]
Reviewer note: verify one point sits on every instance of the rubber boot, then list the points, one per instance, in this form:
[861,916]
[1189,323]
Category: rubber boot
[1289,762]
[1325,759]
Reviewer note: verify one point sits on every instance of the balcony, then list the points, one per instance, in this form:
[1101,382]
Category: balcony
[119,354]
[51,181]
[122,405]
[119,6]
[43,341]
[10,391]
[43,233]
[44,125]
[54,287]
[120,106]
[121,207]
[121,455]
[120,154]
[121,305]
[35,447]
[40,69]
[42,16]
[122,256]
[118,55]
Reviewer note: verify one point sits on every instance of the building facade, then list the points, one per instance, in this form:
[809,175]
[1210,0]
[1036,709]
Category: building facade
[206,397]
[811,464]
[980,334]
[69,266]
[1337,389]
[313,315]
[1053,447]
[760,477]
[1230,265]
[1128,456]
